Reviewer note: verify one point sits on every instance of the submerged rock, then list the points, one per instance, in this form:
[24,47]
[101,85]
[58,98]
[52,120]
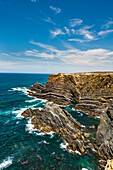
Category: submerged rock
[60,88]
[104,135]
[53,118]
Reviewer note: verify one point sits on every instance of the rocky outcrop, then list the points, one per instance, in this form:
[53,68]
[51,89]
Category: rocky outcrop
[92,106]
[53,118]
[104,135]
[90,91]
[109,165]
[60,88]
[96,89]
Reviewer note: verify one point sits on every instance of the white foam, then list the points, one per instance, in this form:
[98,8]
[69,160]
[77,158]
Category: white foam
[83,126]
[30,126]
[33,100]
[84,169]
[6,162]
[19,112]
[73,109]
[22,89]
[43,142]
[30,129]
[64,145]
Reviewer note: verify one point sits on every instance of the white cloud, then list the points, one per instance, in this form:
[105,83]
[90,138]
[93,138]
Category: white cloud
[33,0]
[56,10]
[47,47]
[67,30]
[75,22]
[108,24]
[73,56]
[103,33]
[49,20]
[56,32]
[8,65]
[36,53]
[77,40]
[89,35]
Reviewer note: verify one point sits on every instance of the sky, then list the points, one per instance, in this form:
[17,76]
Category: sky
[56,36]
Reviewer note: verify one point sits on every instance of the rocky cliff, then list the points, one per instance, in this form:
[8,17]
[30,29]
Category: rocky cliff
[104,135]
[89,91]
[92,93]
[53,118]
[60,88]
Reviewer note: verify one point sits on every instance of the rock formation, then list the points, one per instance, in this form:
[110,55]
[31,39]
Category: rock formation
[104,135]
[109,165]
[95,89]
[60,88]
[53,118]
[92,106]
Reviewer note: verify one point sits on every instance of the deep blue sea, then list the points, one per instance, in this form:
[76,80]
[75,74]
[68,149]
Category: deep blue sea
[22,148]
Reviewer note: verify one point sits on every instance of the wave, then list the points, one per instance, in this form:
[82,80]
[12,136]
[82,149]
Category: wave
[43,142]
[31,130]
[33,100]
[6,162]
[22,89]
[64,147]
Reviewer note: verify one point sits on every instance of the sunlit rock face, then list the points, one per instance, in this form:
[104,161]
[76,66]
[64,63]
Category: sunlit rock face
[60,89]
[104,135]
[53,119]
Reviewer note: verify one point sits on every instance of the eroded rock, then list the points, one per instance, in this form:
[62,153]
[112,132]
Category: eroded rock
[104,135]
[53,118]
[60,88]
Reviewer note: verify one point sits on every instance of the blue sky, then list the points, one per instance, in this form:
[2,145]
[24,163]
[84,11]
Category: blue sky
[48,36]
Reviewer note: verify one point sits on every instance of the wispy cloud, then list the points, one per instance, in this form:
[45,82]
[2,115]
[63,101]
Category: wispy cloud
[56,32]
[104,33]
[88,35]
[67,30]
[55,9]
[8,65]
[33,0]
[75,22]
[76,40]
[44,46]
[107,25]
[49,20]
[36,53]
[73,56]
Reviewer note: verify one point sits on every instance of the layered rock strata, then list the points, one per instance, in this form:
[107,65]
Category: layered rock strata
[104,135]
[92,106]
[53,118]
[60,88]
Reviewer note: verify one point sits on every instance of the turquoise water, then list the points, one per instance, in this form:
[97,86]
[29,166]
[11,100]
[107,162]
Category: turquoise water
[21,147]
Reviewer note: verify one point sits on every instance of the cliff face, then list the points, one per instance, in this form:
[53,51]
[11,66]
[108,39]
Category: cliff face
[60,88]
[96,89]
[90,91]
[95,84]
[104,135]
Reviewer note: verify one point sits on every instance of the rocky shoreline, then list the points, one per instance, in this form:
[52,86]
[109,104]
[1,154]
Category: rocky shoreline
[91,93]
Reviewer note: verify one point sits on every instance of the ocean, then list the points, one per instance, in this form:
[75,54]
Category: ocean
[22,147]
